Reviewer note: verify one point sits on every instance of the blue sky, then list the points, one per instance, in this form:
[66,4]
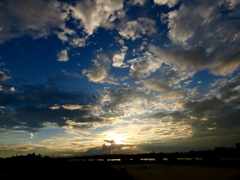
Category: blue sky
[152,75]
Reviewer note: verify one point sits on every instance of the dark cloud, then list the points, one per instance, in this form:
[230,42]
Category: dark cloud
[105,149]
[110,141]
[30,107]
[20,17]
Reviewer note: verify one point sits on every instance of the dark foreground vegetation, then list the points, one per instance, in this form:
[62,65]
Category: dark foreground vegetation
[63,170]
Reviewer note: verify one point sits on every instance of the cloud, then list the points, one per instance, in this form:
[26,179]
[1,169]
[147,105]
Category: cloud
[105,149]
[170,3]
[144,65]
[124,94]
[3,76]
[155,85]
[99,72]
[205,38]
[135,29]
[19,18]
[17,148]
[194,59]
[110,141]
[119,58]
[74,107]
[31,107]
[131,30]
[73,74]
[172,95]
[137,2]
[63,55]
[94,14]
[78,42]
[122,102]
[206,113]
[149,25]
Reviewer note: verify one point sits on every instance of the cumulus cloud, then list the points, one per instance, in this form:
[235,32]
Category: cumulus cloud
[170,3]
[99,71]
[78,42]
[119,58]
[63,55]
[96,74]
[94,14]
[131,30]
[20,17]
[143,66]
[208,38]
[136,29]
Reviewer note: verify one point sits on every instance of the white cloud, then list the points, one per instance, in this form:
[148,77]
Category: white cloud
[119,58]
[63,34]
[94,14]
[78,42]
[99,72]
[137,2]
[63,55]
[143,66]
[170,3]
[131,30]
[135,29]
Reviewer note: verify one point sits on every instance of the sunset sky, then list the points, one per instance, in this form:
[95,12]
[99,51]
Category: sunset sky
[150,75]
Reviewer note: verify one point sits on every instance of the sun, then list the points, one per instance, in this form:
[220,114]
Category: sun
[117,138]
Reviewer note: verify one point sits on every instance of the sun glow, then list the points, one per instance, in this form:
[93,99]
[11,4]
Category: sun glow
[117,138]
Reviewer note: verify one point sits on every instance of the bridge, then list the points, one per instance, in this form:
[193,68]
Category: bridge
[128,157]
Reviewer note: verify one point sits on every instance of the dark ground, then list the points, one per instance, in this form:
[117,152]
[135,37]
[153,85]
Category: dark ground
[69,171]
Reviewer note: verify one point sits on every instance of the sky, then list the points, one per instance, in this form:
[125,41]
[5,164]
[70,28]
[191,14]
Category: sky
[84,77]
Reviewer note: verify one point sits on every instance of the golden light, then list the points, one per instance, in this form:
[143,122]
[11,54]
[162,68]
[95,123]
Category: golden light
[117,138]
